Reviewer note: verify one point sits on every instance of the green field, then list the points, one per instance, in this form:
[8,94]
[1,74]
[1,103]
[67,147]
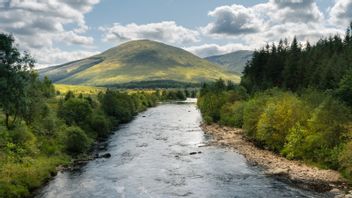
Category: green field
[78,89]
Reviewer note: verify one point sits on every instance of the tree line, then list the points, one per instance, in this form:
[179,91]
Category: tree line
[293,100]
[322,66]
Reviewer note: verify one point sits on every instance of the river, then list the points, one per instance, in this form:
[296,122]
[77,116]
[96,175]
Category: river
[150,157]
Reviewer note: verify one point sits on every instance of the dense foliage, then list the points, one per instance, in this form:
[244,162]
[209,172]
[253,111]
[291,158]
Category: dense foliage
[41,128]
[66,127]
[299,104]
[311,125]
[325,65]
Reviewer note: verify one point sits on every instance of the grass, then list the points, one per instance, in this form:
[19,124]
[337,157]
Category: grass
[88,90]
[18,178]
[79,89]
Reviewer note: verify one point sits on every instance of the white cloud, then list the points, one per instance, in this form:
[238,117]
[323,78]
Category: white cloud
[237,20]
[233,20]
[341,13]
[268,22]
[71,37]
[215,49]
[59,56]
[167,31]
[38,25]
[298,11]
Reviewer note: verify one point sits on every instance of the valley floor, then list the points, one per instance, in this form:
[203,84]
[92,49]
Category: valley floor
[295,171]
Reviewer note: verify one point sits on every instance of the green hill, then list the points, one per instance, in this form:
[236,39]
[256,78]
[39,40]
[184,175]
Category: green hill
[234,62]
[137,61]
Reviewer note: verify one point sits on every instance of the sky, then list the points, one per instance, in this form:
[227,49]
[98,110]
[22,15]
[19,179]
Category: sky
[58,31]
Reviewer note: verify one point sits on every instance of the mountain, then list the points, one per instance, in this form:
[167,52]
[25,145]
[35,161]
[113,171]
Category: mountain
[234,62]
[137,61]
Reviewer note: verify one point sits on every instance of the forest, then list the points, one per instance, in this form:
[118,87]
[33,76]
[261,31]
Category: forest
[294,99]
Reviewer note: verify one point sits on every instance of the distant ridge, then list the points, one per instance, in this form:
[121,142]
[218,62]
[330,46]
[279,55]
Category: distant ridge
[234,61]
[138,61]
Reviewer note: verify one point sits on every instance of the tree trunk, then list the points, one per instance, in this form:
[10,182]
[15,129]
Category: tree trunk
[7,120]
[14,120]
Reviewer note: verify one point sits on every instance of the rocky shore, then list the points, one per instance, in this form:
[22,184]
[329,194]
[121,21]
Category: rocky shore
[295,172]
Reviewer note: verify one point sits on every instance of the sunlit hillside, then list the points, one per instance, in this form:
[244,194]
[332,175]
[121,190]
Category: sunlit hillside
[137,61]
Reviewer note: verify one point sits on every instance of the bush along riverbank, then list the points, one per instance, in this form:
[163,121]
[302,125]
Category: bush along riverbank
[289,106]
[65,129]
[312,127]
[42,129]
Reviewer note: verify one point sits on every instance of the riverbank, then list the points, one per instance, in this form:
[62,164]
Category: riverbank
[296,172]
[153,156]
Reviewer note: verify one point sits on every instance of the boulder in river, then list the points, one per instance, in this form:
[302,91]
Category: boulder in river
[106,155]
[348,196]
[335,190]
[193,153]
[278,172]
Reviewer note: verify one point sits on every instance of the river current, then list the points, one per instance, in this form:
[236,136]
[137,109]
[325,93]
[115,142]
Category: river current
[154,156]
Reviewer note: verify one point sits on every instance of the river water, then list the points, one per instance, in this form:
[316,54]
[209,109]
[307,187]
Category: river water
[150,157]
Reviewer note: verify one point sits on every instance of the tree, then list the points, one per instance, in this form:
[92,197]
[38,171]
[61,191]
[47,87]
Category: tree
[77,141]
[75,111]
[15,76]
[344,92]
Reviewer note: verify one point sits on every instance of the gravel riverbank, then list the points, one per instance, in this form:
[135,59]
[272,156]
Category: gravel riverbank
[295,172]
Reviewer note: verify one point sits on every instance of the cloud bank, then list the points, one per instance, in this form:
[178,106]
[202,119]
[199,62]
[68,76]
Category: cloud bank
[167,31]
[253,27]
[39,24]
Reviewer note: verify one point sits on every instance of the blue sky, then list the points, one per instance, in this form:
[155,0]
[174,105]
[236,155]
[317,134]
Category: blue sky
[57,31]
[189,13]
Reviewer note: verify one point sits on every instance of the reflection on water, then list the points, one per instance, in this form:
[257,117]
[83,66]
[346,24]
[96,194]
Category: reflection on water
[158,155]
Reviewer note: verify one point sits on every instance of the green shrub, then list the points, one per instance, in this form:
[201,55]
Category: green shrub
[24,140]
[210,105]
[75,111]
[345,160]
[4,136]
[281,113]
[100,125]
[293,148]
[313,97]
[49,125]
[17,179]
[77,141]
[326,131]
[252,111]
[232,114]
[21,135]
[13,190]
[207,119]
[118,105]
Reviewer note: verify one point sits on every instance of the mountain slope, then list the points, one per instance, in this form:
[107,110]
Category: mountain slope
[234,62]
[137,61]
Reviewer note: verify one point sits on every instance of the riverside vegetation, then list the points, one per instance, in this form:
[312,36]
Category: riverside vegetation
[41,128]
[293,100]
